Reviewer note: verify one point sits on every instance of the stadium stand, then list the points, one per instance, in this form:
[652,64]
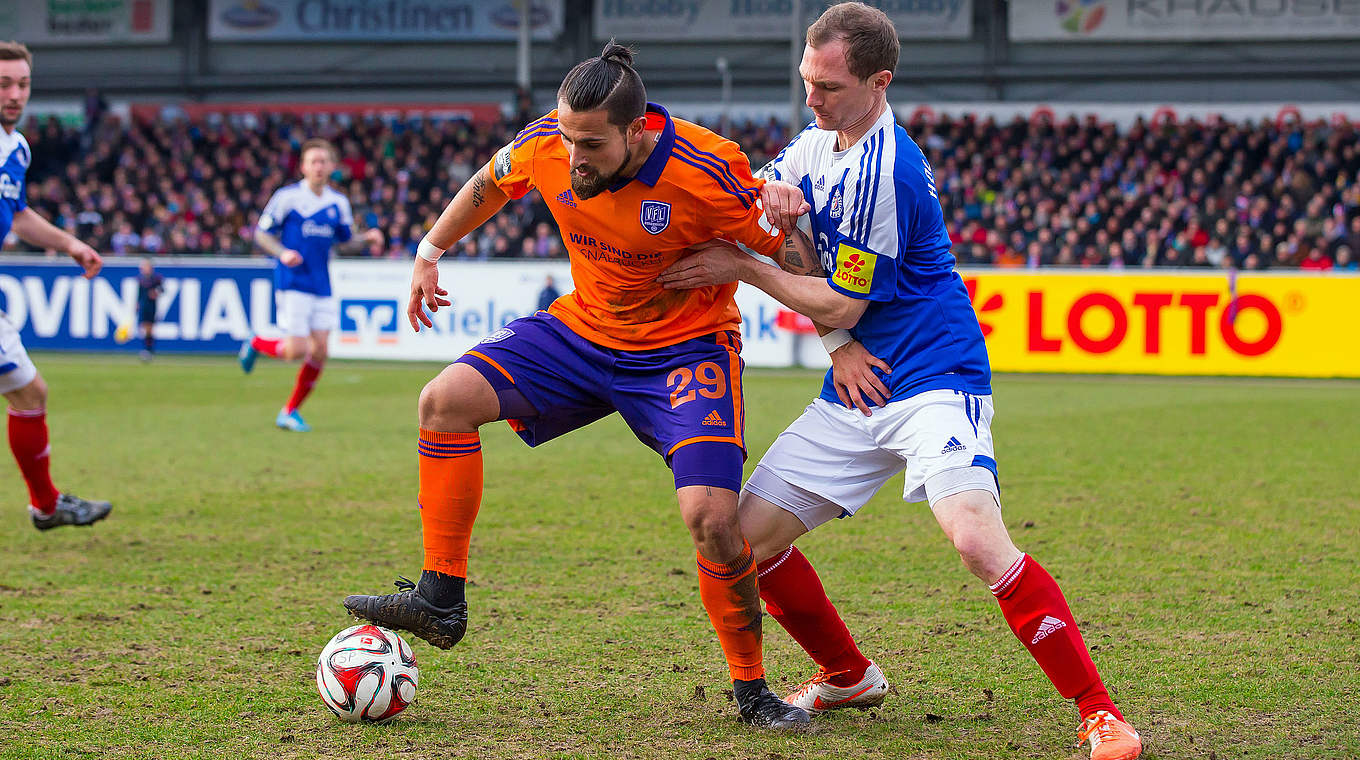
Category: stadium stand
[1076,193]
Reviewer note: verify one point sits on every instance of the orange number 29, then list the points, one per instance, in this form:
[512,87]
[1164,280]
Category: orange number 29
[711,379]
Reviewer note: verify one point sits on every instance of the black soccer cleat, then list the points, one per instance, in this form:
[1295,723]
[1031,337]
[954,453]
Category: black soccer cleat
[761,708]
[70,510]
[407,610]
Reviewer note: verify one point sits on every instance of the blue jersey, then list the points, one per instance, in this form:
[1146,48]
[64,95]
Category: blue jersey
[15,157]
[309,224]
[880,234]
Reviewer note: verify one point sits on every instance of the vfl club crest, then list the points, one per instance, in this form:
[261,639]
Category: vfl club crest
[656,216]
[836,204]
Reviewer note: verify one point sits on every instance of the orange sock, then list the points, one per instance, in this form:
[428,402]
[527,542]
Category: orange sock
[450,495]
[733,603]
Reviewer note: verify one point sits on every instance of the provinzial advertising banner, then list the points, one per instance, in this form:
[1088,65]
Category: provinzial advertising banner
[378,20]
[707,20]
[85,22]
[1170,20]
[203,308]
[1287,325]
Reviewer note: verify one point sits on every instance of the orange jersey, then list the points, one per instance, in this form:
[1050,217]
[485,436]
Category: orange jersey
[695,186]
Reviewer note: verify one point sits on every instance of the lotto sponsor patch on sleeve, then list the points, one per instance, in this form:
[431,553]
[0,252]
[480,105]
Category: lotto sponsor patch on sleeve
[854,269]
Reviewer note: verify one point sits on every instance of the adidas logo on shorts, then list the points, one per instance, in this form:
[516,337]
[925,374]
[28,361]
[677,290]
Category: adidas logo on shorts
[1048,625]
[952,446]
[714,420]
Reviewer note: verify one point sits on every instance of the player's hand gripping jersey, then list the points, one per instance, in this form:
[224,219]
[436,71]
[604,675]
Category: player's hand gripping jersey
[880,234]
[309,224]
[694,187]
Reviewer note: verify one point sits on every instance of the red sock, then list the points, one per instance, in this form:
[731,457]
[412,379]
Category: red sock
[267,346]
[795,598]
[1037,613]
[306,379]
[28,441]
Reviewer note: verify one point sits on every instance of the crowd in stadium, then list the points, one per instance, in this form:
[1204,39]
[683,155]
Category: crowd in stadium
[1075,193]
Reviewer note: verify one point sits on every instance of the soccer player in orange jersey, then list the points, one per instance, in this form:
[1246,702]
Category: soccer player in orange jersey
[632,189]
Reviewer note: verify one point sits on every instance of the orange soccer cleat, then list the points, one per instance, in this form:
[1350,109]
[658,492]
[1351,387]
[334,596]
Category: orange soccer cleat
[1110,737]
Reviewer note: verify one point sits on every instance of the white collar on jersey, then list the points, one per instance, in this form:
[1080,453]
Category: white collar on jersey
[885,119]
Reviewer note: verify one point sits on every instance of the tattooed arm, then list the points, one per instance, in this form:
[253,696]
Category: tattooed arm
[476,202]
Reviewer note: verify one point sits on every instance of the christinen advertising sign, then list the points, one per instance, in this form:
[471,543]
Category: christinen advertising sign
[379,20]
[1288,325]
[99,22]
[701,20]
[1149,20]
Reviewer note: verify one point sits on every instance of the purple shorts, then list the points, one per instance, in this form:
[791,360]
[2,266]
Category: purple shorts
[684,401]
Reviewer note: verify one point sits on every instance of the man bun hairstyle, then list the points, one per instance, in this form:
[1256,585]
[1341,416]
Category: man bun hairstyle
[870,38]
[608,82]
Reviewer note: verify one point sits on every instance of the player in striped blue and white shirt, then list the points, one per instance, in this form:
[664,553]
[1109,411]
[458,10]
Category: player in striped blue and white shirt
[20,383]
[299,226]
[884,275]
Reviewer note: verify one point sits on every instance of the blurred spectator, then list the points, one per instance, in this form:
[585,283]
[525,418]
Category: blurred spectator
[548,294]
[1317,260]
[1345,259]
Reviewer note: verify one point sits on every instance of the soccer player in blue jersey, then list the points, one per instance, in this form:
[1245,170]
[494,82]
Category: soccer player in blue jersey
[299,226]
[20,382]
[884,273]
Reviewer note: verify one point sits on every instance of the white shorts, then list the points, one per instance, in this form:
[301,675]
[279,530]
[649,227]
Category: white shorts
[831,460]
[300,314]
[16,369]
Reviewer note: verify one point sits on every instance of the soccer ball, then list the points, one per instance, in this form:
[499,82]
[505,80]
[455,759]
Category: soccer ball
[366,674]
[123,333]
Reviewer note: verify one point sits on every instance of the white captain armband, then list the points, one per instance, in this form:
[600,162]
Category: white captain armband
[429,251]
[836,339]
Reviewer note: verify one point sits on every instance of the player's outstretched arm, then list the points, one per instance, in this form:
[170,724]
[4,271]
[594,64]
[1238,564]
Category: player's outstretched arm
[477,201]
[718,261]
[370,239]
[37,231]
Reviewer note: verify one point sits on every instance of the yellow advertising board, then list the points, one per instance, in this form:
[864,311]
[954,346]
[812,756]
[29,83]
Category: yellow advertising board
[1211,323]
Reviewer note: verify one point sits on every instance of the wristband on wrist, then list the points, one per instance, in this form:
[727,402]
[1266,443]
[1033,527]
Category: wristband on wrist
[835,339]
[429,251]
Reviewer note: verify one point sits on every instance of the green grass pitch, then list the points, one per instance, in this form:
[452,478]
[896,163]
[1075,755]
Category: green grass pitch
[1204,531]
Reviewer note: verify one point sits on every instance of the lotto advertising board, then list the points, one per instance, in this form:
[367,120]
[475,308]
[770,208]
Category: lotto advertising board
[1288,325]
